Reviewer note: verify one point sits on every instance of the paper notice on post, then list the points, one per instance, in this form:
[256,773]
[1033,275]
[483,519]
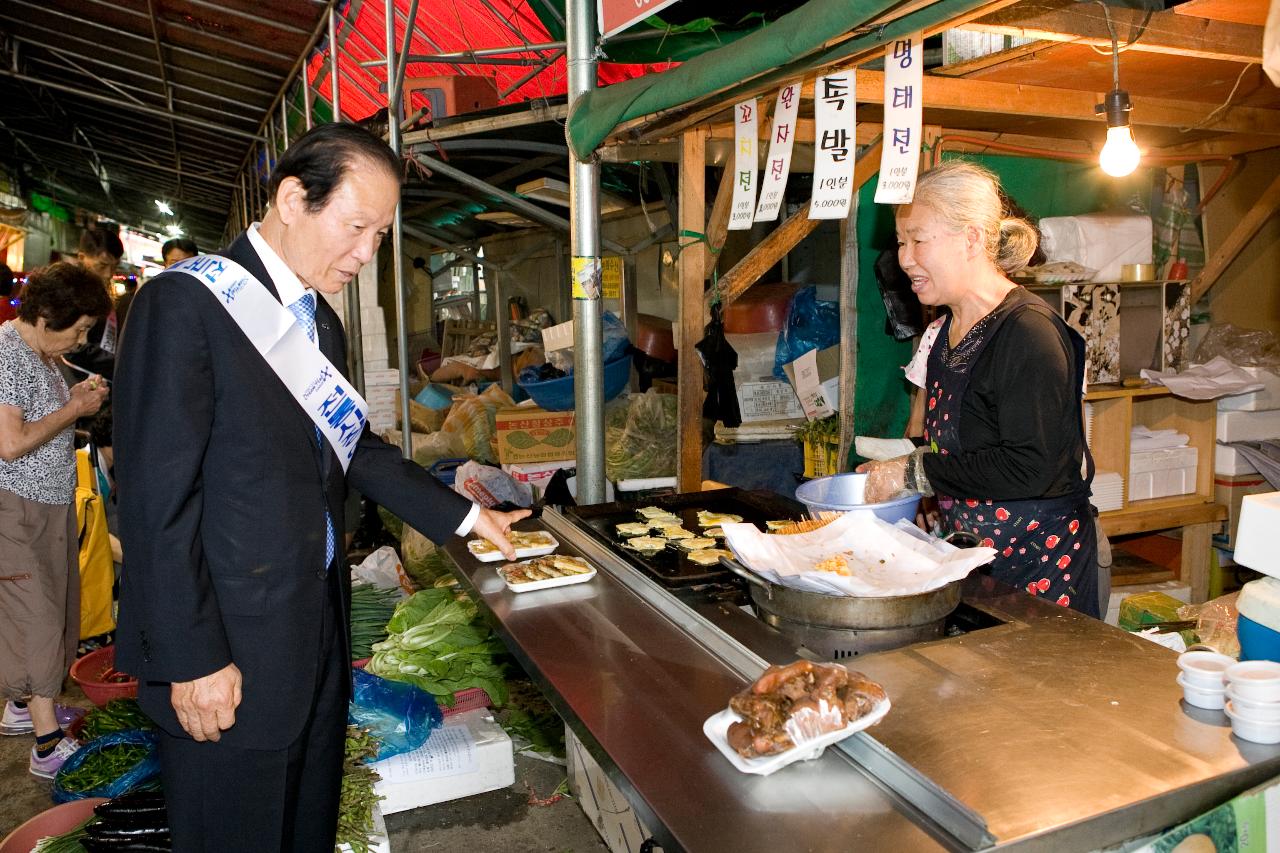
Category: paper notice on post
[834,109]
[900,155]
[778,165]
[449,751]
[746,131]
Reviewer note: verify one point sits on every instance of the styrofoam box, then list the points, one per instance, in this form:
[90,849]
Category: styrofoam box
[1265,400]
[469,754]
[1164,459]
[1231,462]
[1162,484]
[1255,538]
[1248,426]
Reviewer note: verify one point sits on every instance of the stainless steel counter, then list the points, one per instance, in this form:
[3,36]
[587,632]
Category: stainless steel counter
[1049,731]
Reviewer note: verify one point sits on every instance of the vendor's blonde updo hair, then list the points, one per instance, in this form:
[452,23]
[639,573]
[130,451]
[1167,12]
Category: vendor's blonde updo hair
[963,193]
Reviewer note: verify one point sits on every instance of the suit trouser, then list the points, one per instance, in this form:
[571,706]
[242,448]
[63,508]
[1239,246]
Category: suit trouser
[223,799]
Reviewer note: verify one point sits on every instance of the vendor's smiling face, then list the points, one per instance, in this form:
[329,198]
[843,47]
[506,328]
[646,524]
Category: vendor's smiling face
[933,254]
[327,247]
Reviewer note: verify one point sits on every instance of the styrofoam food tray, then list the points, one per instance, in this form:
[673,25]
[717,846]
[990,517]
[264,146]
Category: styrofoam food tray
[716,728]
[521,553]
[530,586]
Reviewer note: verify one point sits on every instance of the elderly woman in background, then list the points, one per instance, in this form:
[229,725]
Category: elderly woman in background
[39,552]
[1003,426]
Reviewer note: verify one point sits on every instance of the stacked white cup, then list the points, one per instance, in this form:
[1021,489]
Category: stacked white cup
[1253,700]
[1204,678]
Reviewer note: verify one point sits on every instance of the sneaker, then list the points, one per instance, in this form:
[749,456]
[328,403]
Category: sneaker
[17,721]
[47,767]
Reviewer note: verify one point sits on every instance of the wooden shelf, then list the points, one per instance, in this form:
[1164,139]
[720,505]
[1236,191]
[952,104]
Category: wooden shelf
[1116,411]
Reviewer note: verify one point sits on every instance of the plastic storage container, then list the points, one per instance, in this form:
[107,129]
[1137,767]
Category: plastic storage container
[556,395]
[1259,620]
[843,493]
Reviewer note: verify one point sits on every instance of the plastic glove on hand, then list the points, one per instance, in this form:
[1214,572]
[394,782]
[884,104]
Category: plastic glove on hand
[885,480]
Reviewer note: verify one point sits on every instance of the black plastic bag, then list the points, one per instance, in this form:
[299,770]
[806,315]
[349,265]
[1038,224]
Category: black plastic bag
[719,360]
[904,317]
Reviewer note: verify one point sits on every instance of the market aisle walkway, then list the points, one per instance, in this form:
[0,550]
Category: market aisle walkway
[501,821]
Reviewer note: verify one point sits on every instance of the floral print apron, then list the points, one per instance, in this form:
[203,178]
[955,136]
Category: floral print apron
[1045,546]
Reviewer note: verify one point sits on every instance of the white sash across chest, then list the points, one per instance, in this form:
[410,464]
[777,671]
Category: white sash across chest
[331,402]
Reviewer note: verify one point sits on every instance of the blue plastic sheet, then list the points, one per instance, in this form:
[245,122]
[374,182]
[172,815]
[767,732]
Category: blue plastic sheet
[140,774]
[811,324]
[400,715]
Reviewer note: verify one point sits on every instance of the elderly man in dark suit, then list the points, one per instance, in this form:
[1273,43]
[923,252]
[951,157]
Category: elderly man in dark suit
[234,602]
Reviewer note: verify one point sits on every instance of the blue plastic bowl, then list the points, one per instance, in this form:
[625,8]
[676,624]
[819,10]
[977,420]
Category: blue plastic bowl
[1257,641]
[843,493]
[556,395]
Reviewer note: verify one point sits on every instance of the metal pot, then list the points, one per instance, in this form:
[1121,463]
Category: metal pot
[838,626]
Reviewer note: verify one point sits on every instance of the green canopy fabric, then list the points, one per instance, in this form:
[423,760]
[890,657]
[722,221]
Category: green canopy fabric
[783,50]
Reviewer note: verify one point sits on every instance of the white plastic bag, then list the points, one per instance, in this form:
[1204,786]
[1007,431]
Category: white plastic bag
[489,486]
[382,569]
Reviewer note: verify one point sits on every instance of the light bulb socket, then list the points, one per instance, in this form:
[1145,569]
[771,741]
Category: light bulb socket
[1116,106]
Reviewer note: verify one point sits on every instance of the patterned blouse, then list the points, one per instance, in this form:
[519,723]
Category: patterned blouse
[28,382]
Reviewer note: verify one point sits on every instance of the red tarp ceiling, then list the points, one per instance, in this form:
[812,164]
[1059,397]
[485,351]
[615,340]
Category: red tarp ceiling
[446,26]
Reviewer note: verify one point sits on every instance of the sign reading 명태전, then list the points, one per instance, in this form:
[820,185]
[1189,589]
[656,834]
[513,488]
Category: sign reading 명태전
[616,15]
[900,156]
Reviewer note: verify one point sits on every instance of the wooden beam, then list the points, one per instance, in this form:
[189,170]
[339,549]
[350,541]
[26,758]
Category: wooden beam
[786,237]
[667,124]
[1248,226]
[991,60]
[718,222]
[848,331]
[1165,32]
[692,268]
[1218,146]
[533,115]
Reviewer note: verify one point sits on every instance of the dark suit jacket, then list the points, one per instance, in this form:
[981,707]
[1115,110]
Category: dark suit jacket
[223,489]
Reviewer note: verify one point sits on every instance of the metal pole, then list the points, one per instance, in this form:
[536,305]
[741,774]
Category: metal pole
[498,309]
[584,235]
[306,97]
[284,120]
[333,62]
[397,237]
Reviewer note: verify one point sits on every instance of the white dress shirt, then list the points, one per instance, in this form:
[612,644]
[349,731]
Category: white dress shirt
[291,289]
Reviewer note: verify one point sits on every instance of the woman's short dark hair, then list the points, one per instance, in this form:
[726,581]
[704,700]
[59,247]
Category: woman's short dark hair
[97,240]
[182,244]
[321,157]
[62,293]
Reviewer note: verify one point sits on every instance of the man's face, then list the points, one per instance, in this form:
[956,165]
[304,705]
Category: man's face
[174,255]
[326,249]
[102,265]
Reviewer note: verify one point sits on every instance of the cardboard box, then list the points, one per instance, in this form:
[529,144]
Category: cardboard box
[815,376]
[602,802]
[770,400]
[469,754]
[536,475]
[530,434]
[1230,491]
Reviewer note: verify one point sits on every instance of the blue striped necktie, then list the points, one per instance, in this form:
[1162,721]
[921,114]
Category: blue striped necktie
[304,310]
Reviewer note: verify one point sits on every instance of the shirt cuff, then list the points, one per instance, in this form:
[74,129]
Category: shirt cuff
[469,522]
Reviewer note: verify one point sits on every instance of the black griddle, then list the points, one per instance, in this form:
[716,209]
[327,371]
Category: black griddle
[671,566]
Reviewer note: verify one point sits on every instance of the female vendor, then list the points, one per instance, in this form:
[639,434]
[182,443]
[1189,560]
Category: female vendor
[1003,428]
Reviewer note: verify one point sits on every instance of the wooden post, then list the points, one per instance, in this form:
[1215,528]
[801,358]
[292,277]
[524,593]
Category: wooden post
[848,329]
[692,268]
[1248,226]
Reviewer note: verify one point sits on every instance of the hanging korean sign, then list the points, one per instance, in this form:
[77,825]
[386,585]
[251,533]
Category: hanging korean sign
[834,106]
[615,16]
[778,164]
[745,134]
[900,157]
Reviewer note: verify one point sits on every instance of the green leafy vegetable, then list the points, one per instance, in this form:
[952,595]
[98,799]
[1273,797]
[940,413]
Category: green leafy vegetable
[439,644]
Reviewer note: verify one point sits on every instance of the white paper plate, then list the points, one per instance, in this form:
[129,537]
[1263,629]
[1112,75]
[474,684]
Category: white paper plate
[521,553]
[530,586]
[716,728]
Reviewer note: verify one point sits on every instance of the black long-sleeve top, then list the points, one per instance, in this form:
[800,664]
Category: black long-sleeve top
[1020,422]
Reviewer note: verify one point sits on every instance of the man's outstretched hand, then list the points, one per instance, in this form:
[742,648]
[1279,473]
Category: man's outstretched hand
[496,526]
[206,707]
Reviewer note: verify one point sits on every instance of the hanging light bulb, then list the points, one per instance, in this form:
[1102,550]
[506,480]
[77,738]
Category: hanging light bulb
[1120,155]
